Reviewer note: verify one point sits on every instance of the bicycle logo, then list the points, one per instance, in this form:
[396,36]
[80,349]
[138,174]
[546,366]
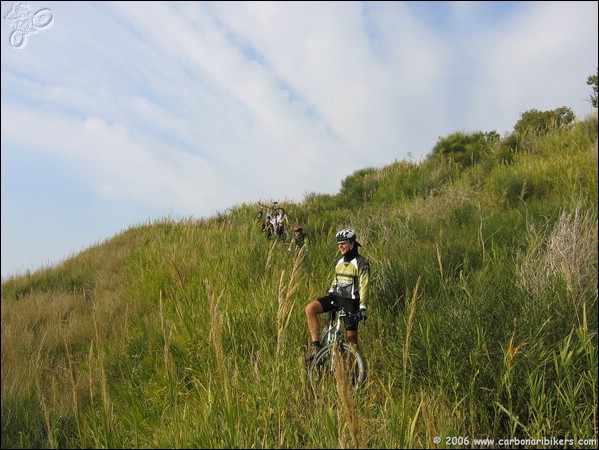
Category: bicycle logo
[25,23]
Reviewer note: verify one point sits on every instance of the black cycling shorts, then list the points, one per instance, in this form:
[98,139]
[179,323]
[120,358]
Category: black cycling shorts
[332,302]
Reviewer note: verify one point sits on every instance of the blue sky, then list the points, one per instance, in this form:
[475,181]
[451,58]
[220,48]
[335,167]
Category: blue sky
[116,114]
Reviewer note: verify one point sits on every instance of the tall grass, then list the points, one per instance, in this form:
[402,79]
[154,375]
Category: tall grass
[188,333]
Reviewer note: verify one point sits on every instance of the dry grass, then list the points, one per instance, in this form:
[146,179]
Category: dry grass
[566,251]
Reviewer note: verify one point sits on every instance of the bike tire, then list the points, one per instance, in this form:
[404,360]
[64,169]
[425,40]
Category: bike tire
[321,371]
[259,215]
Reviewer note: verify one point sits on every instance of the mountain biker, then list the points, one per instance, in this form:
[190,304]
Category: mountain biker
[280,220]
[299,241]
[349,289]
[268,227]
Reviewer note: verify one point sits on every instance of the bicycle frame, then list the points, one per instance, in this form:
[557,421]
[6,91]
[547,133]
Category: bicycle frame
[334,329]
[269,209]
[333,339]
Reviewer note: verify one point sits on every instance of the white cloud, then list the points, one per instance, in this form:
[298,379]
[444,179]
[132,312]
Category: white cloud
[164,108]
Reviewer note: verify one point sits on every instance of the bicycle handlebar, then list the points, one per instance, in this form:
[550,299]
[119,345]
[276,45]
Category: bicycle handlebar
[344,313]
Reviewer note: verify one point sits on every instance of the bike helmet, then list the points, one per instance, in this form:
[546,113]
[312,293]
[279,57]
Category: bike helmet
[298,228]
[347,235]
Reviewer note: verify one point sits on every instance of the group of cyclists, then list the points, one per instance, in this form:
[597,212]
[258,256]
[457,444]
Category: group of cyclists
[350,281]
[275,224]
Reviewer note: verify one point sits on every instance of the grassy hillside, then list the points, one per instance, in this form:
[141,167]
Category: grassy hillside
[191,333]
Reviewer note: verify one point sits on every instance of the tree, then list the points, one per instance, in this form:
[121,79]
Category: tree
[465,148]
[592,81]
[540,122]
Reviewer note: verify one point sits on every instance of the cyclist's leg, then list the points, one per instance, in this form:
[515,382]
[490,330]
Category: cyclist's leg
[316,307]
[351,324]
[352,336]
[313,309]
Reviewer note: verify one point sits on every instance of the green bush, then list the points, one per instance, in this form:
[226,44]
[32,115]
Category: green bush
[540,122]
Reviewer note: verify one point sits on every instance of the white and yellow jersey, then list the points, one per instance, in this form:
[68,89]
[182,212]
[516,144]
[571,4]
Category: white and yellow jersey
[351,279]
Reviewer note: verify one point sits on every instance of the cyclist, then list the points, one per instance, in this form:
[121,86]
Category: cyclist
[299,240]
[268,227]
[349,289]
[280,220]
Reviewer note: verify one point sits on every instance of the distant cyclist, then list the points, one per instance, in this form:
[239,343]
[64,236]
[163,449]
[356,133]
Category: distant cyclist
[267,227]
[299,241]
[280,222]
[349,288]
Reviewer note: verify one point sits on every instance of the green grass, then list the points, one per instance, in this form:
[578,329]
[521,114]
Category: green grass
[191,333]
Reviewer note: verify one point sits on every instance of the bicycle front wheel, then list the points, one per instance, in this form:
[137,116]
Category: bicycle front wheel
[324,369]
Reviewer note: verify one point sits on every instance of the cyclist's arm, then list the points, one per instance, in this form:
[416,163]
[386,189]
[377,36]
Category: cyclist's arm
[333,284]
[364,278]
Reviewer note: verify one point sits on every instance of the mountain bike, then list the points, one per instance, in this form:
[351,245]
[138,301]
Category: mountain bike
[270,210]
[322,368]
[276,226]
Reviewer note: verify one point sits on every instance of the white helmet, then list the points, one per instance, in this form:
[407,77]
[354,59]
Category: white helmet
[346,235]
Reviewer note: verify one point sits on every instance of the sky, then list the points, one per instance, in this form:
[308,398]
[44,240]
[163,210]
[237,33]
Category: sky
[118,114]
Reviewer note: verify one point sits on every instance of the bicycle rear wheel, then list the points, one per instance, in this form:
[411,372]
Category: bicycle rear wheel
[322,370]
